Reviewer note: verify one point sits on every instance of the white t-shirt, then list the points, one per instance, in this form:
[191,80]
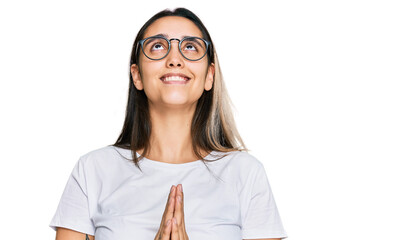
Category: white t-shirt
[109,197]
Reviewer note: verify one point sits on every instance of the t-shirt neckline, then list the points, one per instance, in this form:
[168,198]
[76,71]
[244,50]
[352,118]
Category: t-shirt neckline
[172,165]
[155,163]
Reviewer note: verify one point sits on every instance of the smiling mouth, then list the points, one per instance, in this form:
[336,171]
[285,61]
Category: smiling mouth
[174,79]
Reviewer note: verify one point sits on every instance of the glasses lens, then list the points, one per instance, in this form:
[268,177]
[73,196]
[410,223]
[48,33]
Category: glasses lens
[193,48]
[156,47]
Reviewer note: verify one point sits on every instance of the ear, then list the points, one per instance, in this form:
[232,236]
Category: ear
[135,73]
[209,77]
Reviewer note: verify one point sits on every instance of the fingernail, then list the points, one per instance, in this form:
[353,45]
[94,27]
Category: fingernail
[171,189]
[180,187]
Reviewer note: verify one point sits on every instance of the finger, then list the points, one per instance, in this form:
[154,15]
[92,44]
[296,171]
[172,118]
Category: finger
[170,194]
[175,230]
[182,230]
[170,204]
[166,231]
[166,207]
[182,202]
[179,206]
[169,210]
[179,211]
[182,207]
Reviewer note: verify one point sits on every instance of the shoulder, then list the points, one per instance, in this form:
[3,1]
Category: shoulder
[242,169]
[241,163]
[99,152]
[248,159]
[105,164]
[103,156]
[244,159]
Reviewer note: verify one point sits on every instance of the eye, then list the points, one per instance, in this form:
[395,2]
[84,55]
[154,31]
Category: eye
[157,46]
[193,45]
[190,47]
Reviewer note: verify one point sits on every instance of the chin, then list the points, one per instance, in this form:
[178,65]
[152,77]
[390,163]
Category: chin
[179,102]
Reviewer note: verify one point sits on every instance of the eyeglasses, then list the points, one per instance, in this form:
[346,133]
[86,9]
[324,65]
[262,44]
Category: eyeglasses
[158,47]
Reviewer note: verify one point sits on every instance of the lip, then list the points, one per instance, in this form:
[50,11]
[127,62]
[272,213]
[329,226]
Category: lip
[181,75]
[175,82]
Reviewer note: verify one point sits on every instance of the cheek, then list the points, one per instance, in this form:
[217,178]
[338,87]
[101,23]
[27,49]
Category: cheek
[200,71]
[149,71]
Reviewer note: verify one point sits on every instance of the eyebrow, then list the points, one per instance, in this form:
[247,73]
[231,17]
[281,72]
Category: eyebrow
[167,36]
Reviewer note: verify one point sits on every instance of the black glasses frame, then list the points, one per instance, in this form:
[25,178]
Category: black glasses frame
[141,43]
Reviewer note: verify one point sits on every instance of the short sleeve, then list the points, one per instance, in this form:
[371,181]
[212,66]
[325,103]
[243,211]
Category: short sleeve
[260,216]
[73,208]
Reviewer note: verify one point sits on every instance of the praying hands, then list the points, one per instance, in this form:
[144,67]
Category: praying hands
[172,226]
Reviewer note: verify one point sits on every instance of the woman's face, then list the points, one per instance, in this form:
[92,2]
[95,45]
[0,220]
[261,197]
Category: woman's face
[151,75]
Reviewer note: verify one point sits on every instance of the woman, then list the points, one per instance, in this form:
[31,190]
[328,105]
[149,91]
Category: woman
[178,130]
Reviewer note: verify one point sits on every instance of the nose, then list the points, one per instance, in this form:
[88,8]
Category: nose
[174,57]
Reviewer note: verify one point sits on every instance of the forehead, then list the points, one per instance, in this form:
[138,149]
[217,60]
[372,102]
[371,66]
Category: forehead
[173,27]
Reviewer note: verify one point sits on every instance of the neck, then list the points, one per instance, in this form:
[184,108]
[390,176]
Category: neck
[170,139]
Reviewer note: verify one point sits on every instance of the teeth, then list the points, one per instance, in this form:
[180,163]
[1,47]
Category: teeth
[174,78]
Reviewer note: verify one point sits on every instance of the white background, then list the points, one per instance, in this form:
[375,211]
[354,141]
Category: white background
[323,92]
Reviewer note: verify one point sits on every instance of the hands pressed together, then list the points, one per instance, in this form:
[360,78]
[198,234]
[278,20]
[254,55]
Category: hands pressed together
[172,225]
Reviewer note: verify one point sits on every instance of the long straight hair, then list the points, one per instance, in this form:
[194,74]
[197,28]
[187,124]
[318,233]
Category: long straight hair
[213,127]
